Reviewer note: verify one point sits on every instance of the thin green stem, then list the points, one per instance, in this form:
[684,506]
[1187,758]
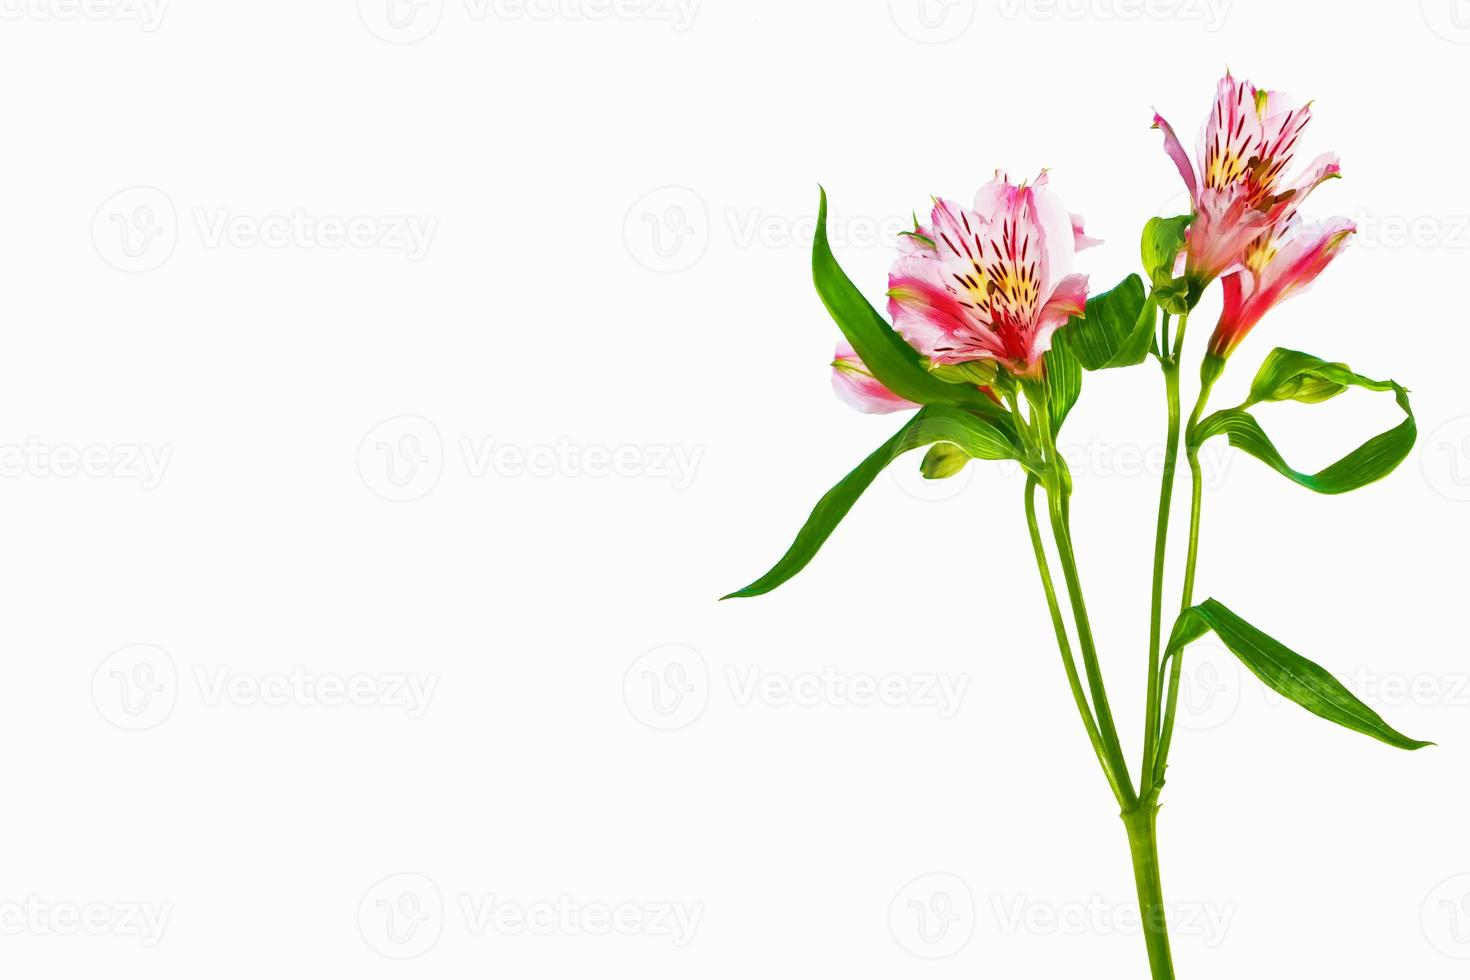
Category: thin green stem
[1196,499]
[1064,643]
[1156,605]
[1062,532]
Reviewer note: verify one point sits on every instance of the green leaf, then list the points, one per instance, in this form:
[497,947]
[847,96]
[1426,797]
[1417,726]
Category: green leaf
[943,460]
[1162,240]
[1063,379]
[1117,329]
[1292,375]
[981,372]
[978,437]
[887,355]
[1289,375]
[1289,674]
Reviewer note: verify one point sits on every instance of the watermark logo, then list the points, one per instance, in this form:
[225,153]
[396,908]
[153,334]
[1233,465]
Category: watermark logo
[301,688]
[400,21]
[1427,232]
[147,14]
[136,687]
[1444,457]
[667,688]
[667,230]
[305,230]
[125,461]
[1446,917]
[405,915]
[670,686]
[909,478]
[833,687]
[401,916]
[1093,460]
[409,21]
[1210,14]
[933,916]
[402,458]
[1207,921]
[932,21]
[1450,19]
[34,916]
[567,916]
[136,230]
[1209,687]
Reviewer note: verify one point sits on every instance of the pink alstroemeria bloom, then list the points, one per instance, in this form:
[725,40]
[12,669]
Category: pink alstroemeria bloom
[855,384]
[1245,148]
[1277,265]
[993,282]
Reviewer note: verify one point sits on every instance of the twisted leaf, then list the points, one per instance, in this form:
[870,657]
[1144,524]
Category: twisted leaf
[1293,376]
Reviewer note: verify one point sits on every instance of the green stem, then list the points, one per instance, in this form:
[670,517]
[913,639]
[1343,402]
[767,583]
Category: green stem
[1196,500]
[1062,532]
[1057,483]
[1069,664]
[1142,827]
[1156,606]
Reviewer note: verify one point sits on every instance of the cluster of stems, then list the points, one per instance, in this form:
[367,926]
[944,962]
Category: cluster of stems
[1138,802]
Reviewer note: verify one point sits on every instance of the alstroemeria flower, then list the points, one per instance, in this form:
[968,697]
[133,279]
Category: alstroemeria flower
[992,282]
[855,384]
[1247,144]
[1276,266]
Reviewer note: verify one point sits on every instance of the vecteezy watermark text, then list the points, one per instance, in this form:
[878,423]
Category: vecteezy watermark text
[138,687]
[1211,14]
[668,688]
[34,916]
[410,21]
[122,461]
[403,916]
[403,459]
[138,230]
[147,14]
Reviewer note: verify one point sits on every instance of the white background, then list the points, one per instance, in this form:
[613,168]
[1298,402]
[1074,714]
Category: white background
[177,288]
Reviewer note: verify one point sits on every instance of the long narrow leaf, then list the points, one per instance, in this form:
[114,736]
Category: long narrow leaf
[1287,673]
[978,437]
[887,355]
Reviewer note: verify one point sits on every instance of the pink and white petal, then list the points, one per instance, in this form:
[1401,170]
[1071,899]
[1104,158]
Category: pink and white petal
[1080,238]
[1233,324]
[1057,232]
[1224,227]
[926,315]
[1233,134]
[991,198]
[1317,173]
[1282,125]
[959,241]
[1302,259]
[1069,299]
[1175,149]
[855,385]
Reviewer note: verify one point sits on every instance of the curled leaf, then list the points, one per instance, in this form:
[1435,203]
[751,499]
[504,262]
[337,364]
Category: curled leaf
[1290,375]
